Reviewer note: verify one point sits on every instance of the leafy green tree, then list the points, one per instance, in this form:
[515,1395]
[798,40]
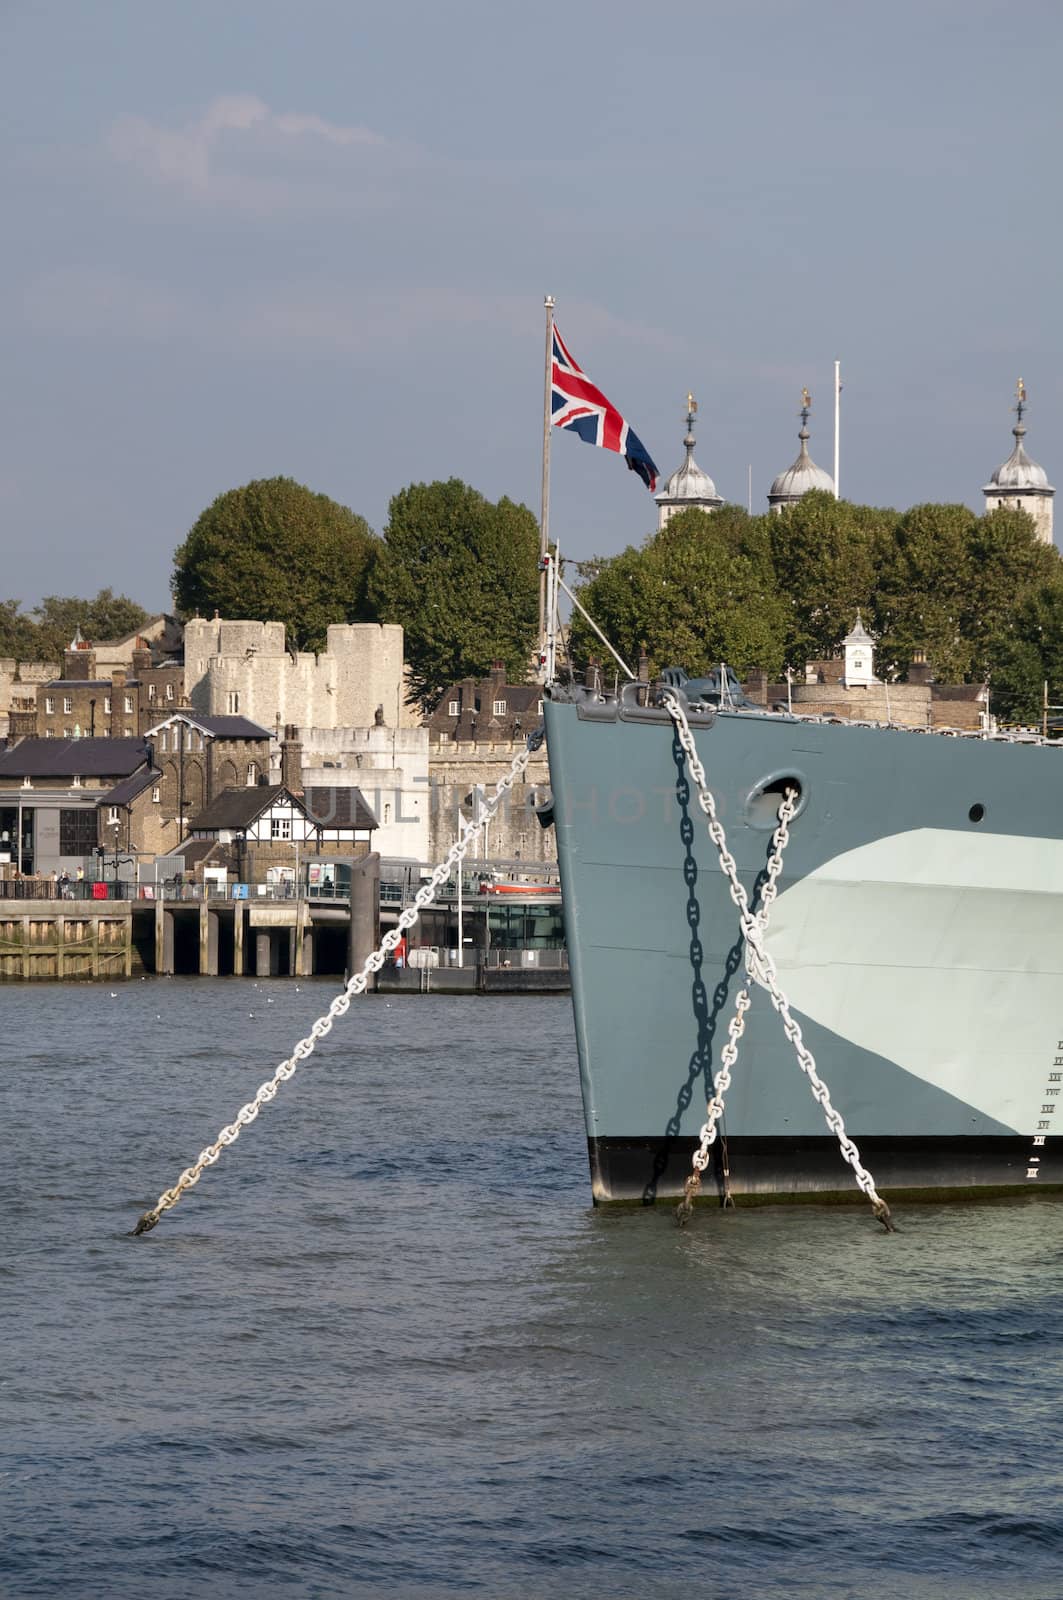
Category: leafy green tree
[18,632]
[276,551]
[824,552]
[462,577]
[108,616]
[700,591]
[924,586]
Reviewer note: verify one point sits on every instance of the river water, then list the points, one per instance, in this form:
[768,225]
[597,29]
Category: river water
[387,1347]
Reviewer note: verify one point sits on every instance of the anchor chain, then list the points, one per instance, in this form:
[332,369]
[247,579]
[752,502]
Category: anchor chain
[356,985]
[760,965]
[736,1026]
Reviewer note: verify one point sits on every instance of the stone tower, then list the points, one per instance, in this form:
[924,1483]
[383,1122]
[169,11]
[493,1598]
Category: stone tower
[1020,482]
[803,475]
[688,488]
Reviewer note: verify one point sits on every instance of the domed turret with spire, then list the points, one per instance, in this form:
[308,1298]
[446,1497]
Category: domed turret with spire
[803,475]
[1020,482]
[688,488]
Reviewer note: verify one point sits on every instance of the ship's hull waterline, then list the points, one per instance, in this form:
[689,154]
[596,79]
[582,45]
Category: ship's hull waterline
[918,934]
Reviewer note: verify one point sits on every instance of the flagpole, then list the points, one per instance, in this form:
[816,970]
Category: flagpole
[837,423]
[544,520]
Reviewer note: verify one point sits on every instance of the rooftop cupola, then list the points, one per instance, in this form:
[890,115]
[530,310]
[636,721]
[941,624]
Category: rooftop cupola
[859,648]
[803,475]
[688,488]
[1020,482]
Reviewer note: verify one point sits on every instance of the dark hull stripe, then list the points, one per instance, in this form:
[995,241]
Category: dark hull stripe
[773,1170]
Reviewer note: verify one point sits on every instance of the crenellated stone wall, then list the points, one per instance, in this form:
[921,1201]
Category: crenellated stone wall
[245,668]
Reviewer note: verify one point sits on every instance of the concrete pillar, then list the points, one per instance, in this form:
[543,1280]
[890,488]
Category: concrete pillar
[238,938]
[294,943]
[306,967]
[208,942]
[365,911]
[263,954]
[167,944]
[26,964]
[96,960]
[160,913]
[127,965]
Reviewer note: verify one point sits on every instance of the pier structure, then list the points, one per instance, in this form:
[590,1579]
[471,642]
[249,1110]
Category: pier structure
[212,936]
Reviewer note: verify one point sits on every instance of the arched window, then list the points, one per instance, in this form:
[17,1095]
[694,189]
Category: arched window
[252,774]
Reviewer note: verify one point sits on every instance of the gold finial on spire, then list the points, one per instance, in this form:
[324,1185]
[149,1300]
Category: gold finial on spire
[692,404]
[806,400]
[1020,400]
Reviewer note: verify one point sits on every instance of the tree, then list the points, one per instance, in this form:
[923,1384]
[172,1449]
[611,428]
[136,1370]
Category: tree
[18,632]
[108,616]
[461,575]
[700,591]
[276,551]
[824,557]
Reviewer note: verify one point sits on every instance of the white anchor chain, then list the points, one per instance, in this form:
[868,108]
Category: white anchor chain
[737,1024]
[761,966]
[356,985]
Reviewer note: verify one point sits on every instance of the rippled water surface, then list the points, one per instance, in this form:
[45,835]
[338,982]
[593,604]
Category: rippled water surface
[387,1348]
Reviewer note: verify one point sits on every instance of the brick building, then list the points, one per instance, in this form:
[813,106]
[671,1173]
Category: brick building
[487,711]
[81,704]
[51,792]
[201,756]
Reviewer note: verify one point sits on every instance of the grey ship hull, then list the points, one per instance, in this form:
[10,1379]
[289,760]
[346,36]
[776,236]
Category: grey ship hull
[918,934]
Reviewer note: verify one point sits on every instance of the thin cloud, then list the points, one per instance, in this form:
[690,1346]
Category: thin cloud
[199,156]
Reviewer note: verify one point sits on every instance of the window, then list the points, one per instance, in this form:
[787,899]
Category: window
[66,733]
[444,738]
[162,740]
[49,704]
[107,705]
[454,709]
[539,708]
[112,813]
[232,702]
[280,828]
[128,707]
[76,784]
[252,774]
[49,733]
[77,832]
[151,691]
[387,811]
[156,795]
[68,704]
[500,708]
[169,691]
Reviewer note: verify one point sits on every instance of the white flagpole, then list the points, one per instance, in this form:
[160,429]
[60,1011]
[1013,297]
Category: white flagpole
[837,423]
[544,519]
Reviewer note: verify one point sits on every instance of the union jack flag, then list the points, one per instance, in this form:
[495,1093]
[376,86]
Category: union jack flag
[580,407]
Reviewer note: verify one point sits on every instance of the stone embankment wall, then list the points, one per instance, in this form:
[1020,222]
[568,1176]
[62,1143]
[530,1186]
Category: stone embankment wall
[455,769]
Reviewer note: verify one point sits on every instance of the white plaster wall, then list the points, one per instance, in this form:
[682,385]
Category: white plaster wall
[390,766]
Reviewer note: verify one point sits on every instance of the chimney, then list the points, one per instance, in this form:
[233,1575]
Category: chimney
[292,760]
[141,659]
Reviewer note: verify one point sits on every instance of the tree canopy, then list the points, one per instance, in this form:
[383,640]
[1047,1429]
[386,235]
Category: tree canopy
[276,551]
[461,575]
[44,633]
[980,597]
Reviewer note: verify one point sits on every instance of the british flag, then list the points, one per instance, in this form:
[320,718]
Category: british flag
[577,405]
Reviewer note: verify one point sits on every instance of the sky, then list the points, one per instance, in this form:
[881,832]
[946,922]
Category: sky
[246,239]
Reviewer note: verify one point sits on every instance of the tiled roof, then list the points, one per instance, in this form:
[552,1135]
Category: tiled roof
[66,758]
[237,808]
[129,788]
[338,806]
[217,727]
